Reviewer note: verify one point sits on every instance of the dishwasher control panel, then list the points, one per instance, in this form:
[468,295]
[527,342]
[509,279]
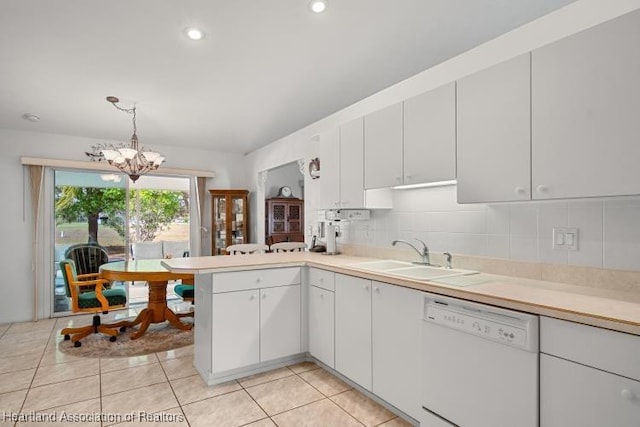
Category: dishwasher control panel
[505,326]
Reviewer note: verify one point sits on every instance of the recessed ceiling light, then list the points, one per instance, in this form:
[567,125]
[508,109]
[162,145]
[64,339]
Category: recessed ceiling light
[194,33]
[318,6]
[31,117]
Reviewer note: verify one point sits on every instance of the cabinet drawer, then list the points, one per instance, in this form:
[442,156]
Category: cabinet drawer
[322,279]
[576,395]
[611,351]
[255,279]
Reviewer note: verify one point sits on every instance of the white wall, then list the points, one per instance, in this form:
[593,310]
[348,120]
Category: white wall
[475,235]
[288,174]
[609,229]
[15,225]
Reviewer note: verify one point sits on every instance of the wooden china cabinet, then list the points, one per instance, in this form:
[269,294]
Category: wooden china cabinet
[284,220]
[229,222]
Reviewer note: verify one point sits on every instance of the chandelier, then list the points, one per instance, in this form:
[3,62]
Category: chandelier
[127,156]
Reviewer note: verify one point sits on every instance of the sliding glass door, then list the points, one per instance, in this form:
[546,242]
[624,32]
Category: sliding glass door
[106,210]
[158,225]
[89,207]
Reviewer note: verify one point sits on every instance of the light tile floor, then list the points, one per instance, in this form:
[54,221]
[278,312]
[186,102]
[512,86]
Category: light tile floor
[162,389]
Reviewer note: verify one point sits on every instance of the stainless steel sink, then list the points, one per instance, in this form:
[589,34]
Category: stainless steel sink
[410,270]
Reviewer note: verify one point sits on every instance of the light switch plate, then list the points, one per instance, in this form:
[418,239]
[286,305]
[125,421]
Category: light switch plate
[565,238]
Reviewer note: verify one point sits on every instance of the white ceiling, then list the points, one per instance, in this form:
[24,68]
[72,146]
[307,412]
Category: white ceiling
[265,68]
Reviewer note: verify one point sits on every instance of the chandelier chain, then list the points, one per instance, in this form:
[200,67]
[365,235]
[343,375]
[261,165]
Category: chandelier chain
[128,157]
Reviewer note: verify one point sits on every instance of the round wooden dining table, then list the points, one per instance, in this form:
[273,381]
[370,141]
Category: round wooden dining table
[157,277]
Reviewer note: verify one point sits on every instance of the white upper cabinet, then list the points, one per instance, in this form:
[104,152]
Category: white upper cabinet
[342,170]
[383,147]
[329,191]
[351,164]
[494,133]
[430,136]
[585,113]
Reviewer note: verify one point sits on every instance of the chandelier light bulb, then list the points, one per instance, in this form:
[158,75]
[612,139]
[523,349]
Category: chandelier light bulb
[318,6]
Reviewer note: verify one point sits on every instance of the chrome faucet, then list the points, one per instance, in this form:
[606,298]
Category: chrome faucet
[447,257]
[424,253]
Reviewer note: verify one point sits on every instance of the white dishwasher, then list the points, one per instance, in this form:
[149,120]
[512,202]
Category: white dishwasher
[480,365]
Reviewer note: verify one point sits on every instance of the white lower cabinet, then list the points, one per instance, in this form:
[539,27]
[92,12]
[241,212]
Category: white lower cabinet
[589,377]
[321,325]
[396,327]
[255,316]
[236,329]
[378,339]
[279,322]
[353,329]
[572,394]
[255,326]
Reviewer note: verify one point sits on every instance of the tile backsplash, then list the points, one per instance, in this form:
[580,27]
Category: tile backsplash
[609,228]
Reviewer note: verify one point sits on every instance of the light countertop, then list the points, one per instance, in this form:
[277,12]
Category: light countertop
[606,308]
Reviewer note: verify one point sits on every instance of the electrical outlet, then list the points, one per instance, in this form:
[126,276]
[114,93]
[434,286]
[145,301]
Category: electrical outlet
[565,238]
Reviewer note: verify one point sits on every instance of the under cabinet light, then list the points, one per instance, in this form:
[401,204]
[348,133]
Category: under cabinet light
[425,185]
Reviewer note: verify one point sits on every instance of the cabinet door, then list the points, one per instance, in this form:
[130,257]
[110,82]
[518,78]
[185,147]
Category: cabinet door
[383,148]
[576,395]
[430,136]
[353,329]
[236,330]
[277,217]
[352,164]
[321,332]
[279,322]
[329,192]
[396,326]
[585,112]
[295,215]
[494,133]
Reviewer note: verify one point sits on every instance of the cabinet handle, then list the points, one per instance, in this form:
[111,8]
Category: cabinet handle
[336,204]
[399,179]
[408,177]
[542,188]
[321,296]
[365,287]
[252,297]
[627,394]
[376,289]
[259,279]
[264,295]
[520,191]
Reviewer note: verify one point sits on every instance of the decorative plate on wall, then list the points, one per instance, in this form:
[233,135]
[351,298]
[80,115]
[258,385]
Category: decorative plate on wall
[314,168]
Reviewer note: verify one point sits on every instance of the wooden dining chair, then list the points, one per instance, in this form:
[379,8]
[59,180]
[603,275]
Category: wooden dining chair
[247,248]
[87,257]
[89,294]
[288,247]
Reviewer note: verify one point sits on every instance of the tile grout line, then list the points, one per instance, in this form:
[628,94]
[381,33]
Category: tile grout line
[172,390]
[36,368]
[267,382]
[325,397]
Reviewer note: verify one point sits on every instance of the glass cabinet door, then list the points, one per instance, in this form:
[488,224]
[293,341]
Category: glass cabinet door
[237,224]
[220,224]
[229,221]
